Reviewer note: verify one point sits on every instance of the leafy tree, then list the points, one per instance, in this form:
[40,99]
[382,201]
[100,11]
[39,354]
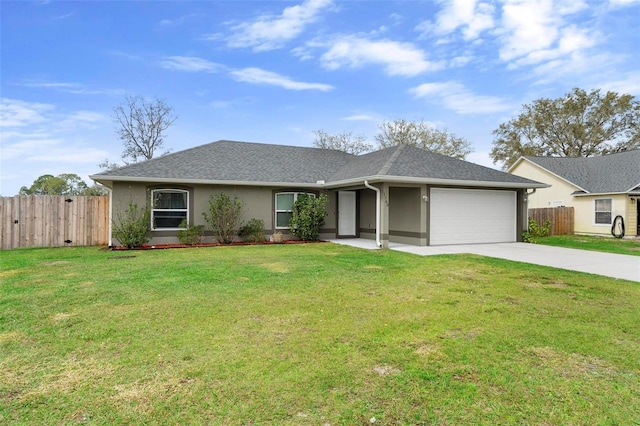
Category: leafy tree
[308,216]
[63,184]
[141,126]
[422,135]
[579,124]
[344,141]
[224,217]
[95,190]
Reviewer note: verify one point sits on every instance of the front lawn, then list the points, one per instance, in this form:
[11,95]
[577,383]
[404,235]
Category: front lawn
[312,335]
[589,242]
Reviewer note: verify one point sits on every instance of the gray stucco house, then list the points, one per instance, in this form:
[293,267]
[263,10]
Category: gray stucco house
[400,194]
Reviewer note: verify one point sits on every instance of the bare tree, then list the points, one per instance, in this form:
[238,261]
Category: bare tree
[422,135]
[344,141]
[140,125]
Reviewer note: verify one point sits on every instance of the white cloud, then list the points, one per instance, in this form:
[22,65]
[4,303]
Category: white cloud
[259,76]
[189,63]
[535,30]
[79,155]
[181,20]
[73,88]
[623,3]
[397,58]
[16,113]
[360,117]
[456,97]
[42,138]
[471,16]
[629,84]
[272,32]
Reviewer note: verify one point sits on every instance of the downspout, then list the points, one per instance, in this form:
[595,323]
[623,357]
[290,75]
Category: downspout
[110,191]
[366,183]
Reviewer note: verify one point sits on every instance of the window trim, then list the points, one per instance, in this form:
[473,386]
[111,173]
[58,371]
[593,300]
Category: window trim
[153,210]
[595,212]
[275,206]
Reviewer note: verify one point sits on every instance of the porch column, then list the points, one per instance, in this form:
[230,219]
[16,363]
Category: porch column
[384,215]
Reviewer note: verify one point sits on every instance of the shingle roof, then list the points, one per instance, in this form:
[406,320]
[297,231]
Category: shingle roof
[409,161]
[240,162]
[264,163]
[613,173]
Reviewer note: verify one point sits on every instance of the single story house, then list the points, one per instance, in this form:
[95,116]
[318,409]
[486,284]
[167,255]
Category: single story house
[400,194]
[598,188]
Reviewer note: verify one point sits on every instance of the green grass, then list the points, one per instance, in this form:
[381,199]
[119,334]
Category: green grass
[588,242]
[311,335]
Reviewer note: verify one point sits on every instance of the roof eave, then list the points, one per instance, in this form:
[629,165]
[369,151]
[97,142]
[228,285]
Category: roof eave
[432,181]
[102,179]
[328,185]
[600,194]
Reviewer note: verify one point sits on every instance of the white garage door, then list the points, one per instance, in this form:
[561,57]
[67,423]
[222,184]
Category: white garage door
[467,216]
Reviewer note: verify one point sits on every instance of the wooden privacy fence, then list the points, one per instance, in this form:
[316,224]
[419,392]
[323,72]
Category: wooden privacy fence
[53,221]
[561,219]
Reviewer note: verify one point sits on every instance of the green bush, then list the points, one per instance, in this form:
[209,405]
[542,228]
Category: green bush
[224,217]
[308,216]
[253,231]
[536,231]
[190,234]
[132,228]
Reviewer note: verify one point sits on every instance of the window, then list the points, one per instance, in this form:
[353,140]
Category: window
[170,208]
[284,207]
[603,211]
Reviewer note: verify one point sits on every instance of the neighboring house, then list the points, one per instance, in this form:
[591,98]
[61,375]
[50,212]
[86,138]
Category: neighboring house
[598,188]
[400,194]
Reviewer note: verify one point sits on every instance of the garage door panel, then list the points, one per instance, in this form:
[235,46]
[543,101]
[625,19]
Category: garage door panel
[467,216]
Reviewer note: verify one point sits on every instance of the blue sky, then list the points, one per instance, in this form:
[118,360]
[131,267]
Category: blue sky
[274,72]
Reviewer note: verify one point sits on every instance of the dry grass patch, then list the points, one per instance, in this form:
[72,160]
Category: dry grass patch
[278,267]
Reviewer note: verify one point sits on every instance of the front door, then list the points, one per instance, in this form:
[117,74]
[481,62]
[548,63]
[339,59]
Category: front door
[346,213]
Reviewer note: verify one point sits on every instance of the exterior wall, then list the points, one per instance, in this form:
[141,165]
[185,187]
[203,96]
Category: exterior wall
[584,209]
[631,218]
[405,214]
[258,203]
[559,192]
[367,214]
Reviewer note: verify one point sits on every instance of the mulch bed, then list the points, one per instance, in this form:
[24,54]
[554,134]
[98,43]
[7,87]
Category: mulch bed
[239,243]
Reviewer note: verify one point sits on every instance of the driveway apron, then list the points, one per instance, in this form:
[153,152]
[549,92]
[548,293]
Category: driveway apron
[607,264]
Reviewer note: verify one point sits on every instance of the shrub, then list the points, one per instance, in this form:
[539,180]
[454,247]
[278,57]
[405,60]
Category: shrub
[253,231]
[190,234]
[308,216]
[536,231]
[132,227]
[224,217]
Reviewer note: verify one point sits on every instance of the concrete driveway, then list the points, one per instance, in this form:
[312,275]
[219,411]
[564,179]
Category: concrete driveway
[607,264]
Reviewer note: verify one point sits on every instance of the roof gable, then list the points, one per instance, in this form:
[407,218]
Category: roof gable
[612,173]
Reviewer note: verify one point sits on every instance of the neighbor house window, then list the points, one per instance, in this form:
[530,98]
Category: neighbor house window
[169,208]
[284,207]
[603,211]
